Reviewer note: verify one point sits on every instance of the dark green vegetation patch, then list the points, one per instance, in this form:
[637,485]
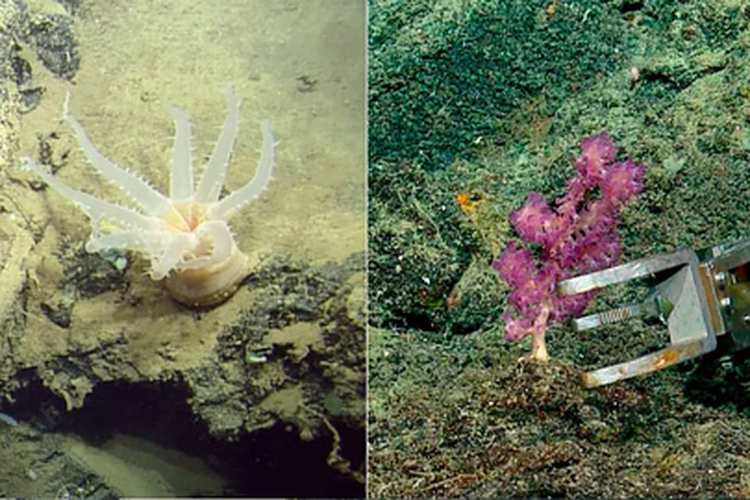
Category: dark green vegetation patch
[441,76]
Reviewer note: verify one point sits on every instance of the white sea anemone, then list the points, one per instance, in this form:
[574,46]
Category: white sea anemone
[186,236]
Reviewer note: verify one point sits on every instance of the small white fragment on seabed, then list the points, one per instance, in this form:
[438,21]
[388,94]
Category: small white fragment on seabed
[4,417]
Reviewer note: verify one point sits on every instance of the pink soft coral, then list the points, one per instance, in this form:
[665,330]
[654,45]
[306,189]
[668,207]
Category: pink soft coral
[577,236]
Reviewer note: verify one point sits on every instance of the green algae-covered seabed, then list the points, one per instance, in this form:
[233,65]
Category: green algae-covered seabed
[107,386]
[481,102]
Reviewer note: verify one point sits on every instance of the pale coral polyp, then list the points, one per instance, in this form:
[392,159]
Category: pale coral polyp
[186,236]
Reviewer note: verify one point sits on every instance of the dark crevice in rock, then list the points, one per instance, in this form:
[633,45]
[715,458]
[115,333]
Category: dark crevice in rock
[273,461]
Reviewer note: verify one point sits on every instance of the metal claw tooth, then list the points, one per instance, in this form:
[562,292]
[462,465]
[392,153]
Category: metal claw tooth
[606,317]
[615,315]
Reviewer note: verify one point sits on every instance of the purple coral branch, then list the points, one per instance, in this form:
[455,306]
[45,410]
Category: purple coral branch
[576,236]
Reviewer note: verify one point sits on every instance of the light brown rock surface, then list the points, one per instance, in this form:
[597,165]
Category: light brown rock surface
[94,356]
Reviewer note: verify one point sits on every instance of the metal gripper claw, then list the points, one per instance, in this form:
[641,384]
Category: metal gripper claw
[684,299]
